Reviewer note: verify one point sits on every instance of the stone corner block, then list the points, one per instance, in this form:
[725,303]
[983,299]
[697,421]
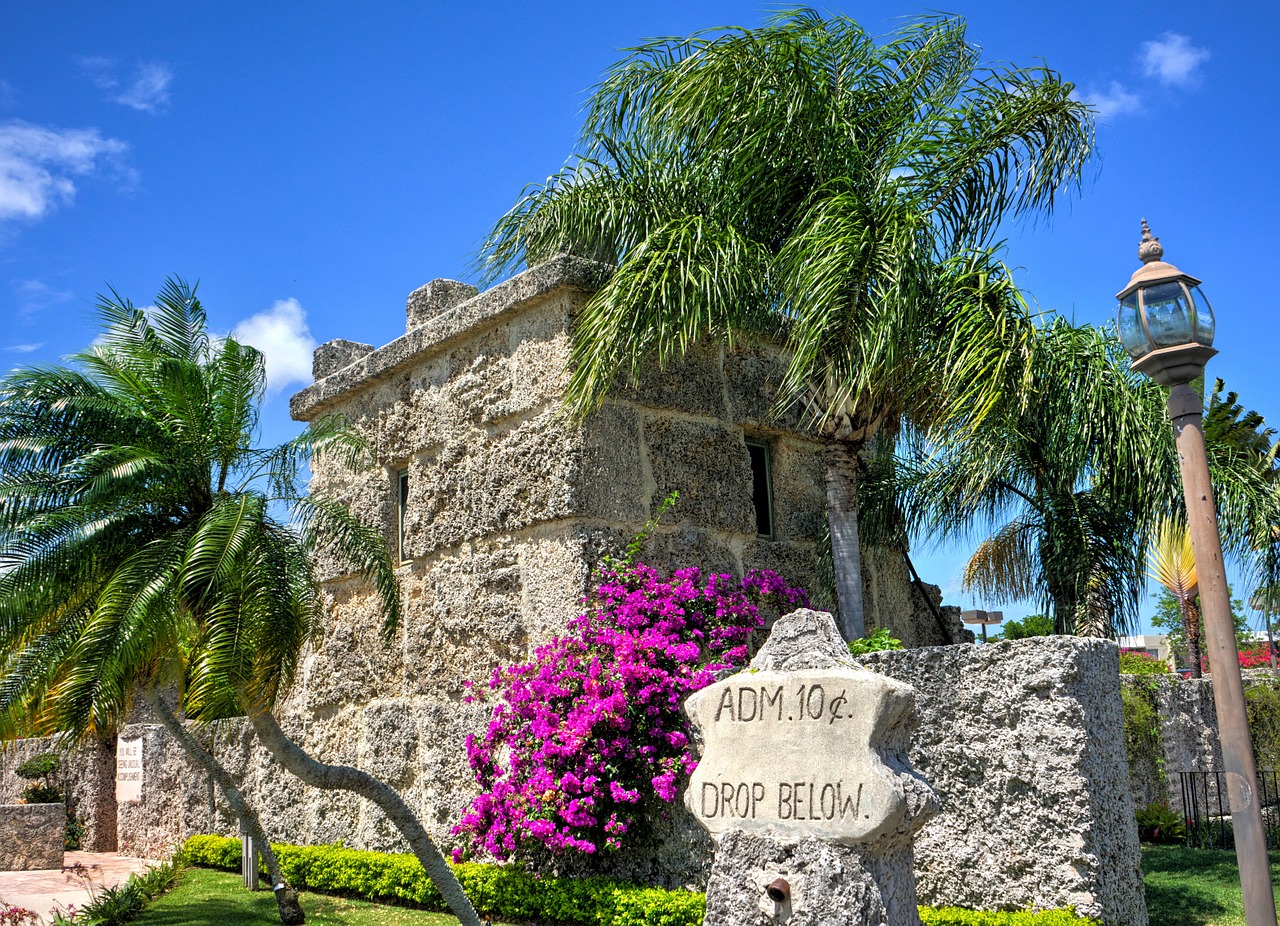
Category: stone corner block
[332,356]
[31,836]
[440,295]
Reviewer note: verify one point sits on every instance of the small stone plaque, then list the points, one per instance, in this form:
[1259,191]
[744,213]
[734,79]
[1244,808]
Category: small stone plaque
[791,754]
[128,770]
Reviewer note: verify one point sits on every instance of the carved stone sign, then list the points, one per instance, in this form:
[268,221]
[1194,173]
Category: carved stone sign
[128,770]
[790,754]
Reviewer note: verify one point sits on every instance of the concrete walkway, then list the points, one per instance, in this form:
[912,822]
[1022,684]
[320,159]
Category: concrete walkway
[39,891]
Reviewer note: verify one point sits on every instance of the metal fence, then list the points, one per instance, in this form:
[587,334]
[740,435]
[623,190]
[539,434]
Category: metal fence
[1208,813]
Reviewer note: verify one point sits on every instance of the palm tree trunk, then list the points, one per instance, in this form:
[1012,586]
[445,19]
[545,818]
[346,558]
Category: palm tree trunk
[290,910]
[1191,630]
[842,517]
[344,778]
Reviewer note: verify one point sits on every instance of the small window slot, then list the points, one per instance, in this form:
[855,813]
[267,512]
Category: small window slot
[402,506]
[761,485]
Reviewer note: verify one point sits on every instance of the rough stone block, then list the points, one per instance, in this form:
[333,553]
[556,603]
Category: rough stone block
[438,296]
[608,479]
[1024,743]
[691,384]
[31,836]
[332,356]
[708,465]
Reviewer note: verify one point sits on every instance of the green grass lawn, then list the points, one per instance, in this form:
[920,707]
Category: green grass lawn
[1195,887]
[215,898]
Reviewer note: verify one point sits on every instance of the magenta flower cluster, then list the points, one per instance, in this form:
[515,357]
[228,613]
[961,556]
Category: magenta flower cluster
[584,736]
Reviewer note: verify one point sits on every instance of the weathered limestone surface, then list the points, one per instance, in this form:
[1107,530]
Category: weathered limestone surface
[87,781]
[1023,743]
[1189,740]
[804,722]
[31,836]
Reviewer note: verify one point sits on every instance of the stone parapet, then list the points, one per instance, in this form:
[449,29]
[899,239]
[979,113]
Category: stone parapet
[1023,741]
[31,836]
[437,332]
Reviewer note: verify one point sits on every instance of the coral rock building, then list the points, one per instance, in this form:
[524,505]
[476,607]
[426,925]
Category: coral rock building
[499,507]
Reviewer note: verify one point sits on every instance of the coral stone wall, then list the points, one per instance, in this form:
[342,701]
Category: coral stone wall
[87,780]
[31,836]
[1023,741]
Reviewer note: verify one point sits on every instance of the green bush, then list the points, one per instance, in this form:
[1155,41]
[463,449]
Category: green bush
[37,770]
[41,766]
[1159,823]
[1262,702]
[955,916]
[513,893]
[1136,662]
[874,642]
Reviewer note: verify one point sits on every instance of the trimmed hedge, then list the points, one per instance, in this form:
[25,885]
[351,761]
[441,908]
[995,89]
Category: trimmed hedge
[513,893]
[497,890]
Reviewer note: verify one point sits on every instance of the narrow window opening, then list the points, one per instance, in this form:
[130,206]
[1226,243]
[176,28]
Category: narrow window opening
[761,485]
[402,494]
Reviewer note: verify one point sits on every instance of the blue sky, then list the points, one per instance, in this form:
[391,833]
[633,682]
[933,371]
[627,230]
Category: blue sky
[311,164]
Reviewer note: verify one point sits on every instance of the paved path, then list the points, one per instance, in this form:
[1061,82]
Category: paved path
[40,890]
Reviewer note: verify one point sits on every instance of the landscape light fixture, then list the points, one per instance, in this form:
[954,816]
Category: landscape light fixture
[1167,327]
[982,617]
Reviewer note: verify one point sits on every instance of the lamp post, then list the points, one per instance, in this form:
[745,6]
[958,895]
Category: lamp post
[1167,327]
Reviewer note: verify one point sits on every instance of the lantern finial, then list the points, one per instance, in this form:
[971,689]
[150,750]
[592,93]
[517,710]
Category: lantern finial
[1149,249]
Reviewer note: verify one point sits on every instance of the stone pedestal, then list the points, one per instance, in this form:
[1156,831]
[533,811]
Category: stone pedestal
[806,786]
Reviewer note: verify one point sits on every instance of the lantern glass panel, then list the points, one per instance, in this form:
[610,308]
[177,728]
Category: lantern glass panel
[1132,335]
[1168,314]
[1205,322]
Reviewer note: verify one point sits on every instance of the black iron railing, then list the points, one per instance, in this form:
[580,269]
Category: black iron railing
[1207,812]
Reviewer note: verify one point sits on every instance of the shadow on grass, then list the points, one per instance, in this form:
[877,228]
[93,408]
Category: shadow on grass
[1193,887]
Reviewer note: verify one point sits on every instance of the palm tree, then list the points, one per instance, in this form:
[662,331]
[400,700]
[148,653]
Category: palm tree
[803,184]
[1050,485]
[142,547]
[1172,563]
[1065,487]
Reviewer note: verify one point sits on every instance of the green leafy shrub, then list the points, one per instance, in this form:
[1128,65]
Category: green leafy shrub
[39,770]
[875,642]
[1136,662]
[513,893]
[42,766]
[74,835]
[1262,702]
[1143,733]
[956,916]
[1159,823]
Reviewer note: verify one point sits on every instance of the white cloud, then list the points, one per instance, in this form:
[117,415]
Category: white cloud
[146,89]
[34,296]
[38,162]
[24,348]
[149,90]
[281,333]
[1172,59]
[1115,101]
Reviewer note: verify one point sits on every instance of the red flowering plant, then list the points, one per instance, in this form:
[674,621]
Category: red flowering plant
[586,735]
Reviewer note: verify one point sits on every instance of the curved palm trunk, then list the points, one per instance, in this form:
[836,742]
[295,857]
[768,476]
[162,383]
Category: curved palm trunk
[1191,631]
[291,913]
[344,778]
[841,474]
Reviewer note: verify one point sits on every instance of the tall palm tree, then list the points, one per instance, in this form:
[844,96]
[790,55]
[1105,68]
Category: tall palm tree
[1049,485]
[1172,563]
[1065,487]
[143,542]
[801,183]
